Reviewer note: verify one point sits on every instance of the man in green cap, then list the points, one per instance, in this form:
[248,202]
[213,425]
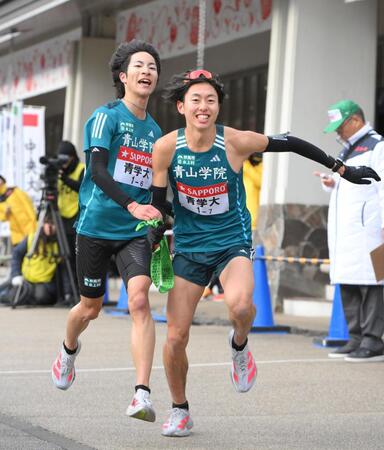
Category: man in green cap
[355,228]
[339,113]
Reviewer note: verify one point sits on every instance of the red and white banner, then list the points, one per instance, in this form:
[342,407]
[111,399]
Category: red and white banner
[22,143]
[172,26]
[41,68]
[33,149]
[204,200]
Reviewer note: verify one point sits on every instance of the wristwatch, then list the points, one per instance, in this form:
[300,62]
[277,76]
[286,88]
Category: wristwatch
[338,163]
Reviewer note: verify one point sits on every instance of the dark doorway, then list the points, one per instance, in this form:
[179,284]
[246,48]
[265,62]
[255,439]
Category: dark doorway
[54,103]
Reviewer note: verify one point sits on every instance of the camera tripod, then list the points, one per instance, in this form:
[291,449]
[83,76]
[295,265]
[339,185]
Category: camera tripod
[48,208]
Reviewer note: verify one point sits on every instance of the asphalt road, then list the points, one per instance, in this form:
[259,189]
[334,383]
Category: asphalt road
[301,400]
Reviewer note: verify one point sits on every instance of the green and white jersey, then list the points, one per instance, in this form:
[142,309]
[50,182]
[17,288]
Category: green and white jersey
[209,199]
[129,141]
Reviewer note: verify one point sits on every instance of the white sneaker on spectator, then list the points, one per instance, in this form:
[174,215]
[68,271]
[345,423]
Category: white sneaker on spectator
[63,369]
[141,407]
[243,370]
[179,423]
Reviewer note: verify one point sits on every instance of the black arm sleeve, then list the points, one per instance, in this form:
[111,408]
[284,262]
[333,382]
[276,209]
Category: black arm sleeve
[286,143]
[101,177]
[159,196]
[159,199]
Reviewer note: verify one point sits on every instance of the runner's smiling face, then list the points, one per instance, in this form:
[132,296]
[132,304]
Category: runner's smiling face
[200,106]
[141,76]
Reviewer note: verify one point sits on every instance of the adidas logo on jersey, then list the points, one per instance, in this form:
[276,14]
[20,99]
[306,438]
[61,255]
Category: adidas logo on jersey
[215,159]
[150,134]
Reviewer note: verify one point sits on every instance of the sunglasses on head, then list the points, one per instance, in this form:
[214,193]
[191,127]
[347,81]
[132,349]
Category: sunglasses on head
[195,74]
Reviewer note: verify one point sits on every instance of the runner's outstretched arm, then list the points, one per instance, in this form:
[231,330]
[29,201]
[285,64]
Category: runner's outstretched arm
[248,142]
[286,143]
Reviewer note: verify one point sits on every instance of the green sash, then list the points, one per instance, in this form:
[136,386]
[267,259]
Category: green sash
[161,262]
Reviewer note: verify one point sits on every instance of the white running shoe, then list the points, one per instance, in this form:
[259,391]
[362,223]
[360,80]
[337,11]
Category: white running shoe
[243,370]
[63,369]
[141,407]
[179,423]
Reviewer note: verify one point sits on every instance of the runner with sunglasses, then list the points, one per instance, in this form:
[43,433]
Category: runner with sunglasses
[212,227]
[114,198]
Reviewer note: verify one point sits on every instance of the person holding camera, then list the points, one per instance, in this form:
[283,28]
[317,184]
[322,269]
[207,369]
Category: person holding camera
[114,198]
[70,176]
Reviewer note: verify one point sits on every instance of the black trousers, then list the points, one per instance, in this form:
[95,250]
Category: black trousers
[364,311]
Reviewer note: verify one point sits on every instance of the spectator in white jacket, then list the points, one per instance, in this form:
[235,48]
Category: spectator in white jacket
[355,228]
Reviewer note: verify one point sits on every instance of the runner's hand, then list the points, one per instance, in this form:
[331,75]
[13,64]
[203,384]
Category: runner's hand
[359,175]
[144,212]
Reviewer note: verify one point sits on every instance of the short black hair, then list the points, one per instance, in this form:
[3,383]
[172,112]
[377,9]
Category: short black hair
[179,84]
[2,178]
[121,58]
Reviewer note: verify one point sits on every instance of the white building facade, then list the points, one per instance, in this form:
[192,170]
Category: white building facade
[283,63]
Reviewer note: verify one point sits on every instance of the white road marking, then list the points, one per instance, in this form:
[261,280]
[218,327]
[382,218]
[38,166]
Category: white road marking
[129,369]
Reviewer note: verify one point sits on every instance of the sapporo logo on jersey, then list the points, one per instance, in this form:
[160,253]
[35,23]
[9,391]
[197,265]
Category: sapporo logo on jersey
[133,167]
[204,200]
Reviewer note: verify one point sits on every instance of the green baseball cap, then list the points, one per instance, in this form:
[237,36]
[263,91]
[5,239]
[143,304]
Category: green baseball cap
[339,112]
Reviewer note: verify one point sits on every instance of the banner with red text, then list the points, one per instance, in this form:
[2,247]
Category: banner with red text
[22,143]
[33,149]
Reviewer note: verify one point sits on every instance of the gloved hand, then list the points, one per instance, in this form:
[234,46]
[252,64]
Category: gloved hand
[17,280]
[63,176]
[155,234]
[358,175]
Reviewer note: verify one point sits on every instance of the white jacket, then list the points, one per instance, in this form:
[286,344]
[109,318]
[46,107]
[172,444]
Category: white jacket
[356,218]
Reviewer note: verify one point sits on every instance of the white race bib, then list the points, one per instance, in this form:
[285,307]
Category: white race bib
[204,200]
[133,167]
